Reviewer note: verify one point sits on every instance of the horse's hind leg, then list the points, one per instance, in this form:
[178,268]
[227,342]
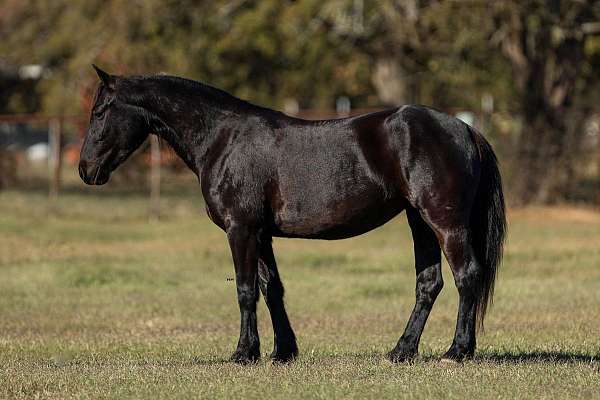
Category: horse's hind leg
[285,348]
[429,284]
[455,238]
[467,276]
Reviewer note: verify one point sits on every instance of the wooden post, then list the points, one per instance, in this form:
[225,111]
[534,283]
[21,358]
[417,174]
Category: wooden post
[154,177]
[487,108]
[55,138]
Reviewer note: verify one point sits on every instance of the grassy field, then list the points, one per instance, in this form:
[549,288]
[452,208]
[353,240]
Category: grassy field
[98,302]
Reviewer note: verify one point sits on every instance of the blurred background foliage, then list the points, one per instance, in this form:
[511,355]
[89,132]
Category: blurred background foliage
[538,60]
[268,50]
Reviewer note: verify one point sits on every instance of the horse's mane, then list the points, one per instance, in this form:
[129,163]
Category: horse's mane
[211,94]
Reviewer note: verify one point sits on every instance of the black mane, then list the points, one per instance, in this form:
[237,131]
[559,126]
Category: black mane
[188,88]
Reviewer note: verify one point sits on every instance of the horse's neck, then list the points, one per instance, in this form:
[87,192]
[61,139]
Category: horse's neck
[188,128]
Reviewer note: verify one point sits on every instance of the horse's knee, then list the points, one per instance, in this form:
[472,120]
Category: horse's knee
[247,297]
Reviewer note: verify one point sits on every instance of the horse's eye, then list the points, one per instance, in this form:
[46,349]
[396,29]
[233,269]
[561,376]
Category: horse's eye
[101,108]
[98,111]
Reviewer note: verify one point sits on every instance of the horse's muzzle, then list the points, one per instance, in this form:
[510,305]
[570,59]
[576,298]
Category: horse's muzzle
[92,173]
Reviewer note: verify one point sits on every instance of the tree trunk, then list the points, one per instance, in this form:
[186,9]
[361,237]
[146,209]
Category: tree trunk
[546,53]
[548,152]
[539,155]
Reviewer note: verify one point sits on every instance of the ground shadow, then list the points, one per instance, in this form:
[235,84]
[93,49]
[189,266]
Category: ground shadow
[524,357]
[509,357]
[517,357]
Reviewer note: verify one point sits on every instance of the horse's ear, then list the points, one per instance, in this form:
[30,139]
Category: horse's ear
[105,77]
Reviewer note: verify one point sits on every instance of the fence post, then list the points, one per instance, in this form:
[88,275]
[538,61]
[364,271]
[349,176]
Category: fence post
[154,177]
[55,138]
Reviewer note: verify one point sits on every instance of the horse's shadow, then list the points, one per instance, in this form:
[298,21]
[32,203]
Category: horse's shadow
[497,357]
[521,357]
[506,357]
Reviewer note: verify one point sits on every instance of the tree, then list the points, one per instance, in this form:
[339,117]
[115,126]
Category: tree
[539,59]
[264,51]
[549,46]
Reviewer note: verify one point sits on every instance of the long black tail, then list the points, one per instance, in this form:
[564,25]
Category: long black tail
[488,224]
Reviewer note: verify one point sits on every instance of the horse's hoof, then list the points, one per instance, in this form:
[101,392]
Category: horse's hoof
[284,354]
[454,356]
[244,358]
[283,358]
[396,357]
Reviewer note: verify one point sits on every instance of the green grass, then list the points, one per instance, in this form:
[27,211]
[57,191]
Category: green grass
[98,302]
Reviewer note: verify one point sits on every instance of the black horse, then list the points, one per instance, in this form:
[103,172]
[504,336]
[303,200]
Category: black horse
[266,174]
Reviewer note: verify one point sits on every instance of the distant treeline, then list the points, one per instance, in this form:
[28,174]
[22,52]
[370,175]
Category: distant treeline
[539,59]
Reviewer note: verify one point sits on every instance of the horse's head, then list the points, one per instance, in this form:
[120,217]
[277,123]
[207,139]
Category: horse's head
[116,130]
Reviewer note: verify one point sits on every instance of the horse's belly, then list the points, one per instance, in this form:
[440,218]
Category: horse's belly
[335,215]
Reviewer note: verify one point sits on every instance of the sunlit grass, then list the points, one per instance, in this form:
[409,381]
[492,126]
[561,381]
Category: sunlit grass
[98,302]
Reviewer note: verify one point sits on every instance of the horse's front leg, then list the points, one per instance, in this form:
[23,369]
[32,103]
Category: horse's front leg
[243,241]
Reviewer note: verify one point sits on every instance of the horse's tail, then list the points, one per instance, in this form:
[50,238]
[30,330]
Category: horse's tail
[488,224]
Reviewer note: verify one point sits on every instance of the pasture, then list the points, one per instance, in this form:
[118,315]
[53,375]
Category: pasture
[98,302]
